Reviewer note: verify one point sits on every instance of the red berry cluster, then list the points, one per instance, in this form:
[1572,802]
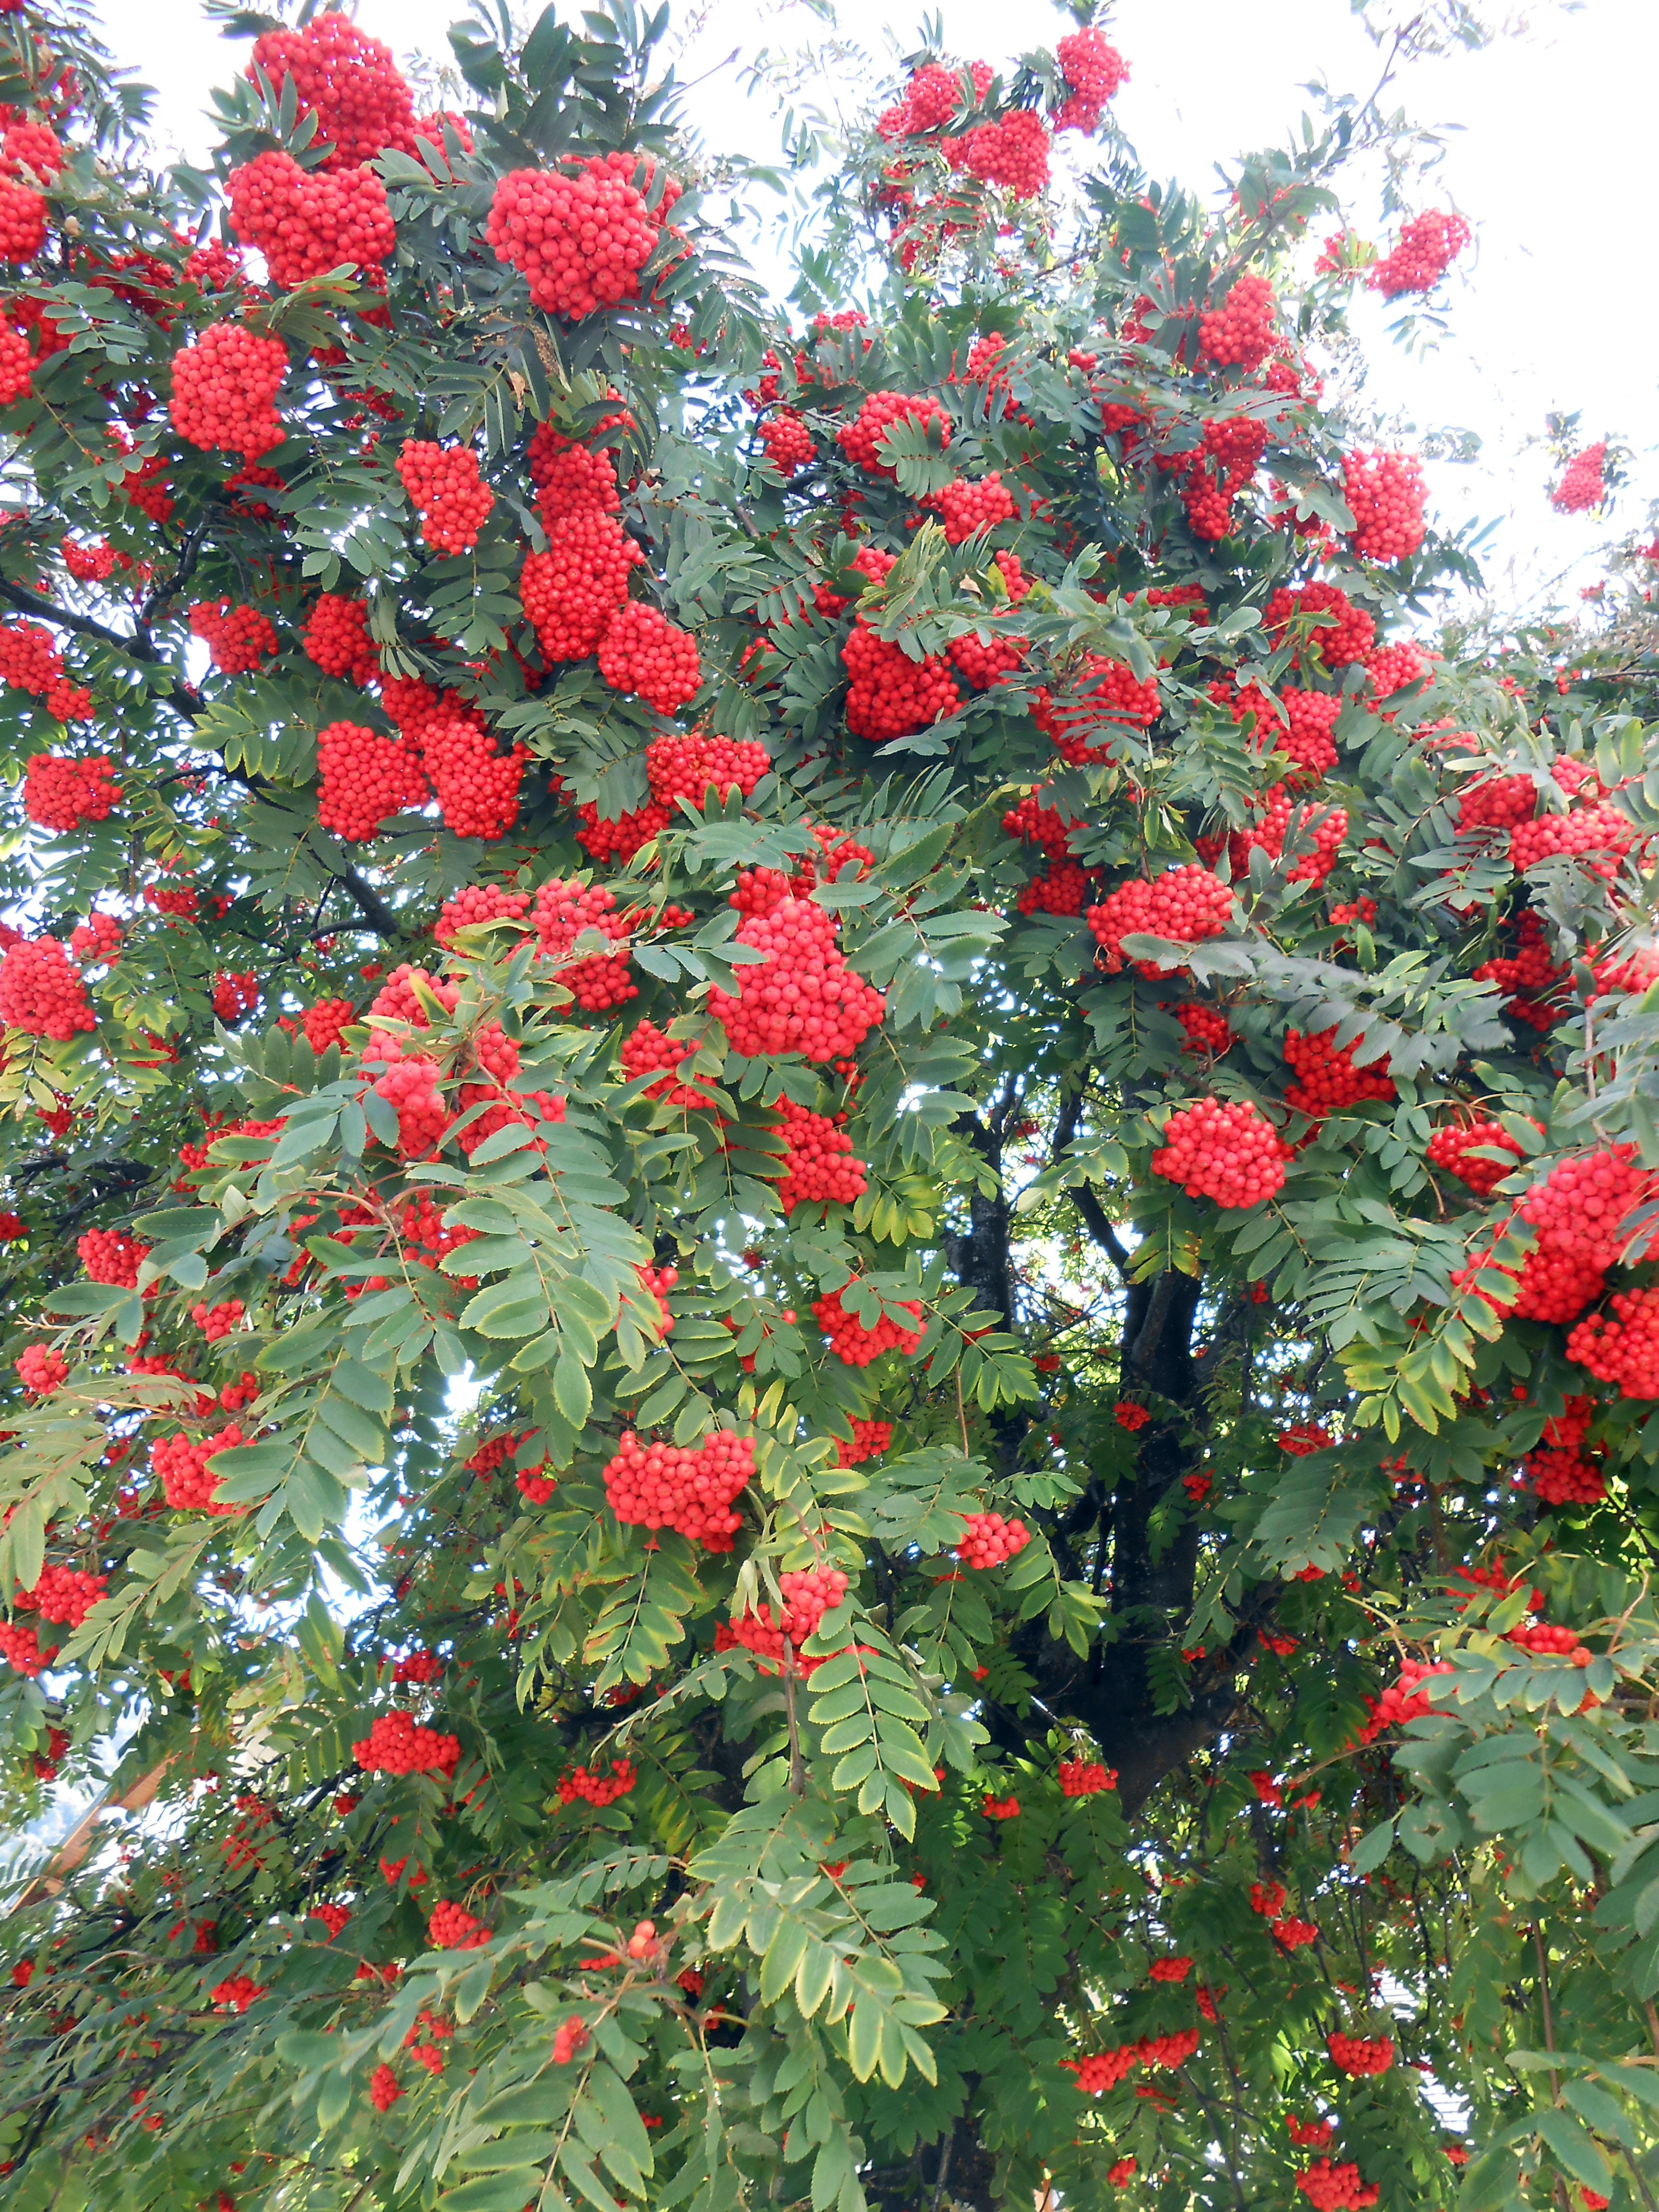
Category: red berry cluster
[63,1594]
[16,367]
[1000,1808]
[324,1023]
[1104,698]
[1093,72]
[1034,823]
[1327,1078]
[564,913]
[1625,1348]
[1292,1935]
[641,651]
[60,794]
[1360,2055]
[1103,2069]
[988,1540]
[1239,333]
[21,1649]
[659,1485]
[571,593]
[1223,1150]
[1207,1030]
[475,786]
[238,638]
[579,241]
[932,97]
[818,1167]
[182,1465]
[1550,1640]
[395,1745]
[409,1087]
[236,1994]
[335,637]
[1063,888]
[892,695]
[1338,633]
[1426,249]
[803,998]
[349,81]
[91,564]
[234,994]
[1186,905]
[110,1257]
[1012,152]
[966,507]
[807,1595]
[1328,826]
[383,2089]
[1402,1701]
[1330,2188]
[218,1321]
[1600,829]
[1385,496]
[364,779]
[1529,979]
[881,412]
[645,1049]
[689,767]
[570,2039]
[307,221]
[1451,1148]
[869,1439]
[787,441]
[1085,1778]
[41,1370]
[30,662]
[41,993]
[445,490]
[581,1787]
[22,221]
[854,1344]
[570,478]
[224,391]
[452,1928]
[1583,483]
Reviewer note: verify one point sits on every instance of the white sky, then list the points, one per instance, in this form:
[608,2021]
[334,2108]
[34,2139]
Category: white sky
[1549,158]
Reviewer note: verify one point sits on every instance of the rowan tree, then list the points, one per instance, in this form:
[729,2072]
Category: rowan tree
[828,1181]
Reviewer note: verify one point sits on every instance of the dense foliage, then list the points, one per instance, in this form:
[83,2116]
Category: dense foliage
[827,1185]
